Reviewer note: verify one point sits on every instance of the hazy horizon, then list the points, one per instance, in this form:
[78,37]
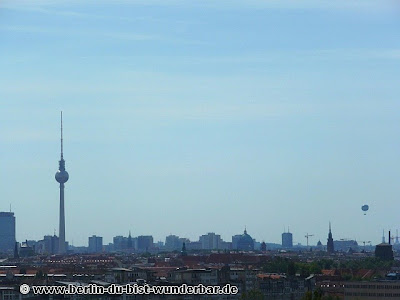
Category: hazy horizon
[184,118]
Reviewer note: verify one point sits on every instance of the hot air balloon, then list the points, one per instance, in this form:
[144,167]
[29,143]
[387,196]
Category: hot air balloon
[365,208]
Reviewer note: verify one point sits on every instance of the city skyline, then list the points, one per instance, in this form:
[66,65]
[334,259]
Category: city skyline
[185,118]
[286,242]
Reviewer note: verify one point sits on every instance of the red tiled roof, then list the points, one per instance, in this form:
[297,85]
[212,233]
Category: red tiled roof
[270,276]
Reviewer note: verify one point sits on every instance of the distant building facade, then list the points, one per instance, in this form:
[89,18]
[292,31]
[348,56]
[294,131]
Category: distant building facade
[49,245]
[345,245]
[120,243]
[7,232]
[275,286]
[193,246]
[172,242]
[384,251]
[287,240]
[95,244]
[235,241]
[144,243]
[376,290]
[211,241]
[26,250]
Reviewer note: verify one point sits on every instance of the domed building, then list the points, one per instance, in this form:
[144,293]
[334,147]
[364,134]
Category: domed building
[320,247]
[245,242]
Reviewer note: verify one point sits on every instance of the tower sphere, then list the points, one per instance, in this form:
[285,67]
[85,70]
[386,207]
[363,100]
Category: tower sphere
[62,176]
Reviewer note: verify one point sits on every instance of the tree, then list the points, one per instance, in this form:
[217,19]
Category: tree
[40,274]
[307,296]
[252,295]
[291,269]
[318,294]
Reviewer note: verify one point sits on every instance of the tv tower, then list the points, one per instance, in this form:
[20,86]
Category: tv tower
[62,177]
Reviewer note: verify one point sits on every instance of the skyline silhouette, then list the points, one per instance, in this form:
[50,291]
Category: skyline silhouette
[188,118]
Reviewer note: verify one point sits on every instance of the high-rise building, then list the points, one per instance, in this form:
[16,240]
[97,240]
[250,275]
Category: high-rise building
[51,244]
[287,240]
[120,243]
[95,244]
[211,241]
[330,247]
[173,242]
[62,177]
[144,243]
[235,240]
[7,232]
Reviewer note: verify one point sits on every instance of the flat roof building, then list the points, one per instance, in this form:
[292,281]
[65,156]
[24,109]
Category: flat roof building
[7,232]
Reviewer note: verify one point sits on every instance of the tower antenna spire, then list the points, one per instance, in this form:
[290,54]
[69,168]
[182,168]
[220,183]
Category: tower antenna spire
[61,137]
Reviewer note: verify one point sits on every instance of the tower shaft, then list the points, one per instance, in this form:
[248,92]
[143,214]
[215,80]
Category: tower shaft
[61,246]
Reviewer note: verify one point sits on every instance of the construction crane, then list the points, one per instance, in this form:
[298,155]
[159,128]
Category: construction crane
[369,242]
[394,239]
[307,236]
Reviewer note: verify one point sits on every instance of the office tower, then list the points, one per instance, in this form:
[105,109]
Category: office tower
[7,232]
[95,244]
[210,241]
[287,240]
[173,242]
[144,243]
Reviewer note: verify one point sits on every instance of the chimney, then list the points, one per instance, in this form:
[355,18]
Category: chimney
[389,238]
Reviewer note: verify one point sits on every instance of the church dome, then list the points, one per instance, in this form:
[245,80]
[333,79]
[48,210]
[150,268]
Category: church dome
[245,242]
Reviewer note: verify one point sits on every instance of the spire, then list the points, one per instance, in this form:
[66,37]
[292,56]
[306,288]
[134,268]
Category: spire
[62,161]
[61,137]
[183,251]
[330,246]
[130,242]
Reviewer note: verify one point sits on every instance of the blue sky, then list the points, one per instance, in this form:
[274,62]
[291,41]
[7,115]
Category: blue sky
[187,117]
